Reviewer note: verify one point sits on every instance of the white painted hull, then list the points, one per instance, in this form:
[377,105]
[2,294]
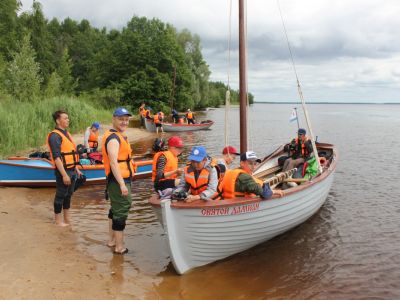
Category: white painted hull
[169,127]
[199,235]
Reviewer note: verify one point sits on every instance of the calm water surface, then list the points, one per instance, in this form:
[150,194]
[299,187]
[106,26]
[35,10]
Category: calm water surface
[350,249]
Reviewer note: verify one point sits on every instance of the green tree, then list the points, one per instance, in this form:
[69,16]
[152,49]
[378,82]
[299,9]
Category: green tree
[23,78]
[64,72]
[8,26]
[35,23]
[53,87]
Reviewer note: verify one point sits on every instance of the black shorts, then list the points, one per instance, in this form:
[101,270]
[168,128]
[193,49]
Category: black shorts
[158,125]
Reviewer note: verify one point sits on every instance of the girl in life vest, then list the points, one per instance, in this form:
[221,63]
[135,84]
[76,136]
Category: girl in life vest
[199,179]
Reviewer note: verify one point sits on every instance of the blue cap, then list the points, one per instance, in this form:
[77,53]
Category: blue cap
[96,125]
[301,131]
[120,111]
[198,153]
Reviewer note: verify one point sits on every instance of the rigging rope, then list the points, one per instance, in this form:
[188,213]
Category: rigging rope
[303,103]
[228,94]
[249,131]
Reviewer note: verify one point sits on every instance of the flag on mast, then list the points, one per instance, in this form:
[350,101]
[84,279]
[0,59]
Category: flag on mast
[293,115]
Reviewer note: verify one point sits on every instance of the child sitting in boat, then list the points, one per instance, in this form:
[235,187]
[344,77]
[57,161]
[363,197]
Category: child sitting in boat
[200,179]
[165,170]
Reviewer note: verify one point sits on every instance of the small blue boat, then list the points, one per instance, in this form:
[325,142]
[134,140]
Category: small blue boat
[39,172]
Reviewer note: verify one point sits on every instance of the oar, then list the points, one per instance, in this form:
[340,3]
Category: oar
[280,177]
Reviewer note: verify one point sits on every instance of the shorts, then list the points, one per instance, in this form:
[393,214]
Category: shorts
[158,125]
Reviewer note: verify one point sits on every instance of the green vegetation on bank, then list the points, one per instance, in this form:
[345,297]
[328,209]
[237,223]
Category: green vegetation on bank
[26,125]
[47,65]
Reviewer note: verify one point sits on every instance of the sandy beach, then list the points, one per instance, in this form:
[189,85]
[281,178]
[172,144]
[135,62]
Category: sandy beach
[40,260]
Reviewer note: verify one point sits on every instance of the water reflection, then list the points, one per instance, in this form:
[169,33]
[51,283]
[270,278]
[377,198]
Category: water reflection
[349,249]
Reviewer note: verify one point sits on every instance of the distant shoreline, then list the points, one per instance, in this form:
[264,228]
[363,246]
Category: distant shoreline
[363,103]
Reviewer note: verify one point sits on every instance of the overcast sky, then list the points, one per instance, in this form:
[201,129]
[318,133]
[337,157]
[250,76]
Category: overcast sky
[344,50]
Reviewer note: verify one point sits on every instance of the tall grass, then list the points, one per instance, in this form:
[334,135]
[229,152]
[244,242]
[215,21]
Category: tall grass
[26,125]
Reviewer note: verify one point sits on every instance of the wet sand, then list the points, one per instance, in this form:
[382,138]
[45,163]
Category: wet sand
[40,260]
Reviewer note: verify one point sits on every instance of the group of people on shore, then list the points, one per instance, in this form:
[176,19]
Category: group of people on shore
[203,178]
[118,166]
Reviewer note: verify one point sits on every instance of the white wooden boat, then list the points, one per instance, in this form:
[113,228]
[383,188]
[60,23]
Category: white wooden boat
[201,232]
[172,127]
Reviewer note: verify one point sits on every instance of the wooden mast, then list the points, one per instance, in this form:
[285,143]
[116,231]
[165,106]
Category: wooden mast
[242,79]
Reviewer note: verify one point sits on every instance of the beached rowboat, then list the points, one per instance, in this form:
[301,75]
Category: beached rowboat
[172,127]
[200,232]
[39,172]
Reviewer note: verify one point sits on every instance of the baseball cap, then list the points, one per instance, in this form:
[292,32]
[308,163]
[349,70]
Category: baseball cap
[249,155]
[198,153]
[120,111]
[175,141]
[230,150]
[96,125]
[301,131]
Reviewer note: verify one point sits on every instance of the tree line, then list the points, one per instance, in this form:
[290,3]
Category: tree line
[147,60]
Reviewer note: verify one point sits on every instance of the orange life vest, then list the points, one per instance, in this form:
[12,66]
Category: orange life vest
[189,115]
[228,184]
[125,162]
[156,119]
[171,165]
[93,139]
[197,187]
[304,151]
[142,111]
[69,155]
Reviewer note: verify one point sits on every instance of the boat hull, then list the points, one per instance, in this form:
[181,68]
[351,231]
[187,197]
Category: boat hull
[37,172]
[201,233]
[170,127]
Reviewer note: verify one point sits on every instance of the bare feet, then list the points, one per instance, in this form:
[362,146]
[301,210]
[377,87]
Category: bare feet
[62,224]
[59,220]
[111,244]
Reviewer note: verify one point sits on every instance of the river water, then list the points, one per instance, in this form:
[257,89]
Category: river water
[350,249]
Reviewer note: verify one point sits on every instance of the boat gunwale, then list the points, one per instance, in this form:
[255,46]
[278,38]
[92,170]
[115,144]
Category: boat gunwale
[156,202]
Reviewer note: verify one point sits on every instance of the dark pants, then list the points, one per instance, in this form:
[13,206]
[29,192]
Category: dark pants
[190,121]
[62,199]
[141,121]
[164,184]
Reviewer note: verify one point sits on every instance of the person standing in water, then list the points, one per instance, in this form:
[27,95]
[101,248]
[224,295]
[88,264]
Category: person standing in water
[65,158]
[117,154]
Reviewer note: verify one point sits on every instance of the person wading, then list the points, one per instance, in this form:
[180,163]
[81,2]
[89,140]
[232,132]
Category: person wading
[119,170]
[65,158]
